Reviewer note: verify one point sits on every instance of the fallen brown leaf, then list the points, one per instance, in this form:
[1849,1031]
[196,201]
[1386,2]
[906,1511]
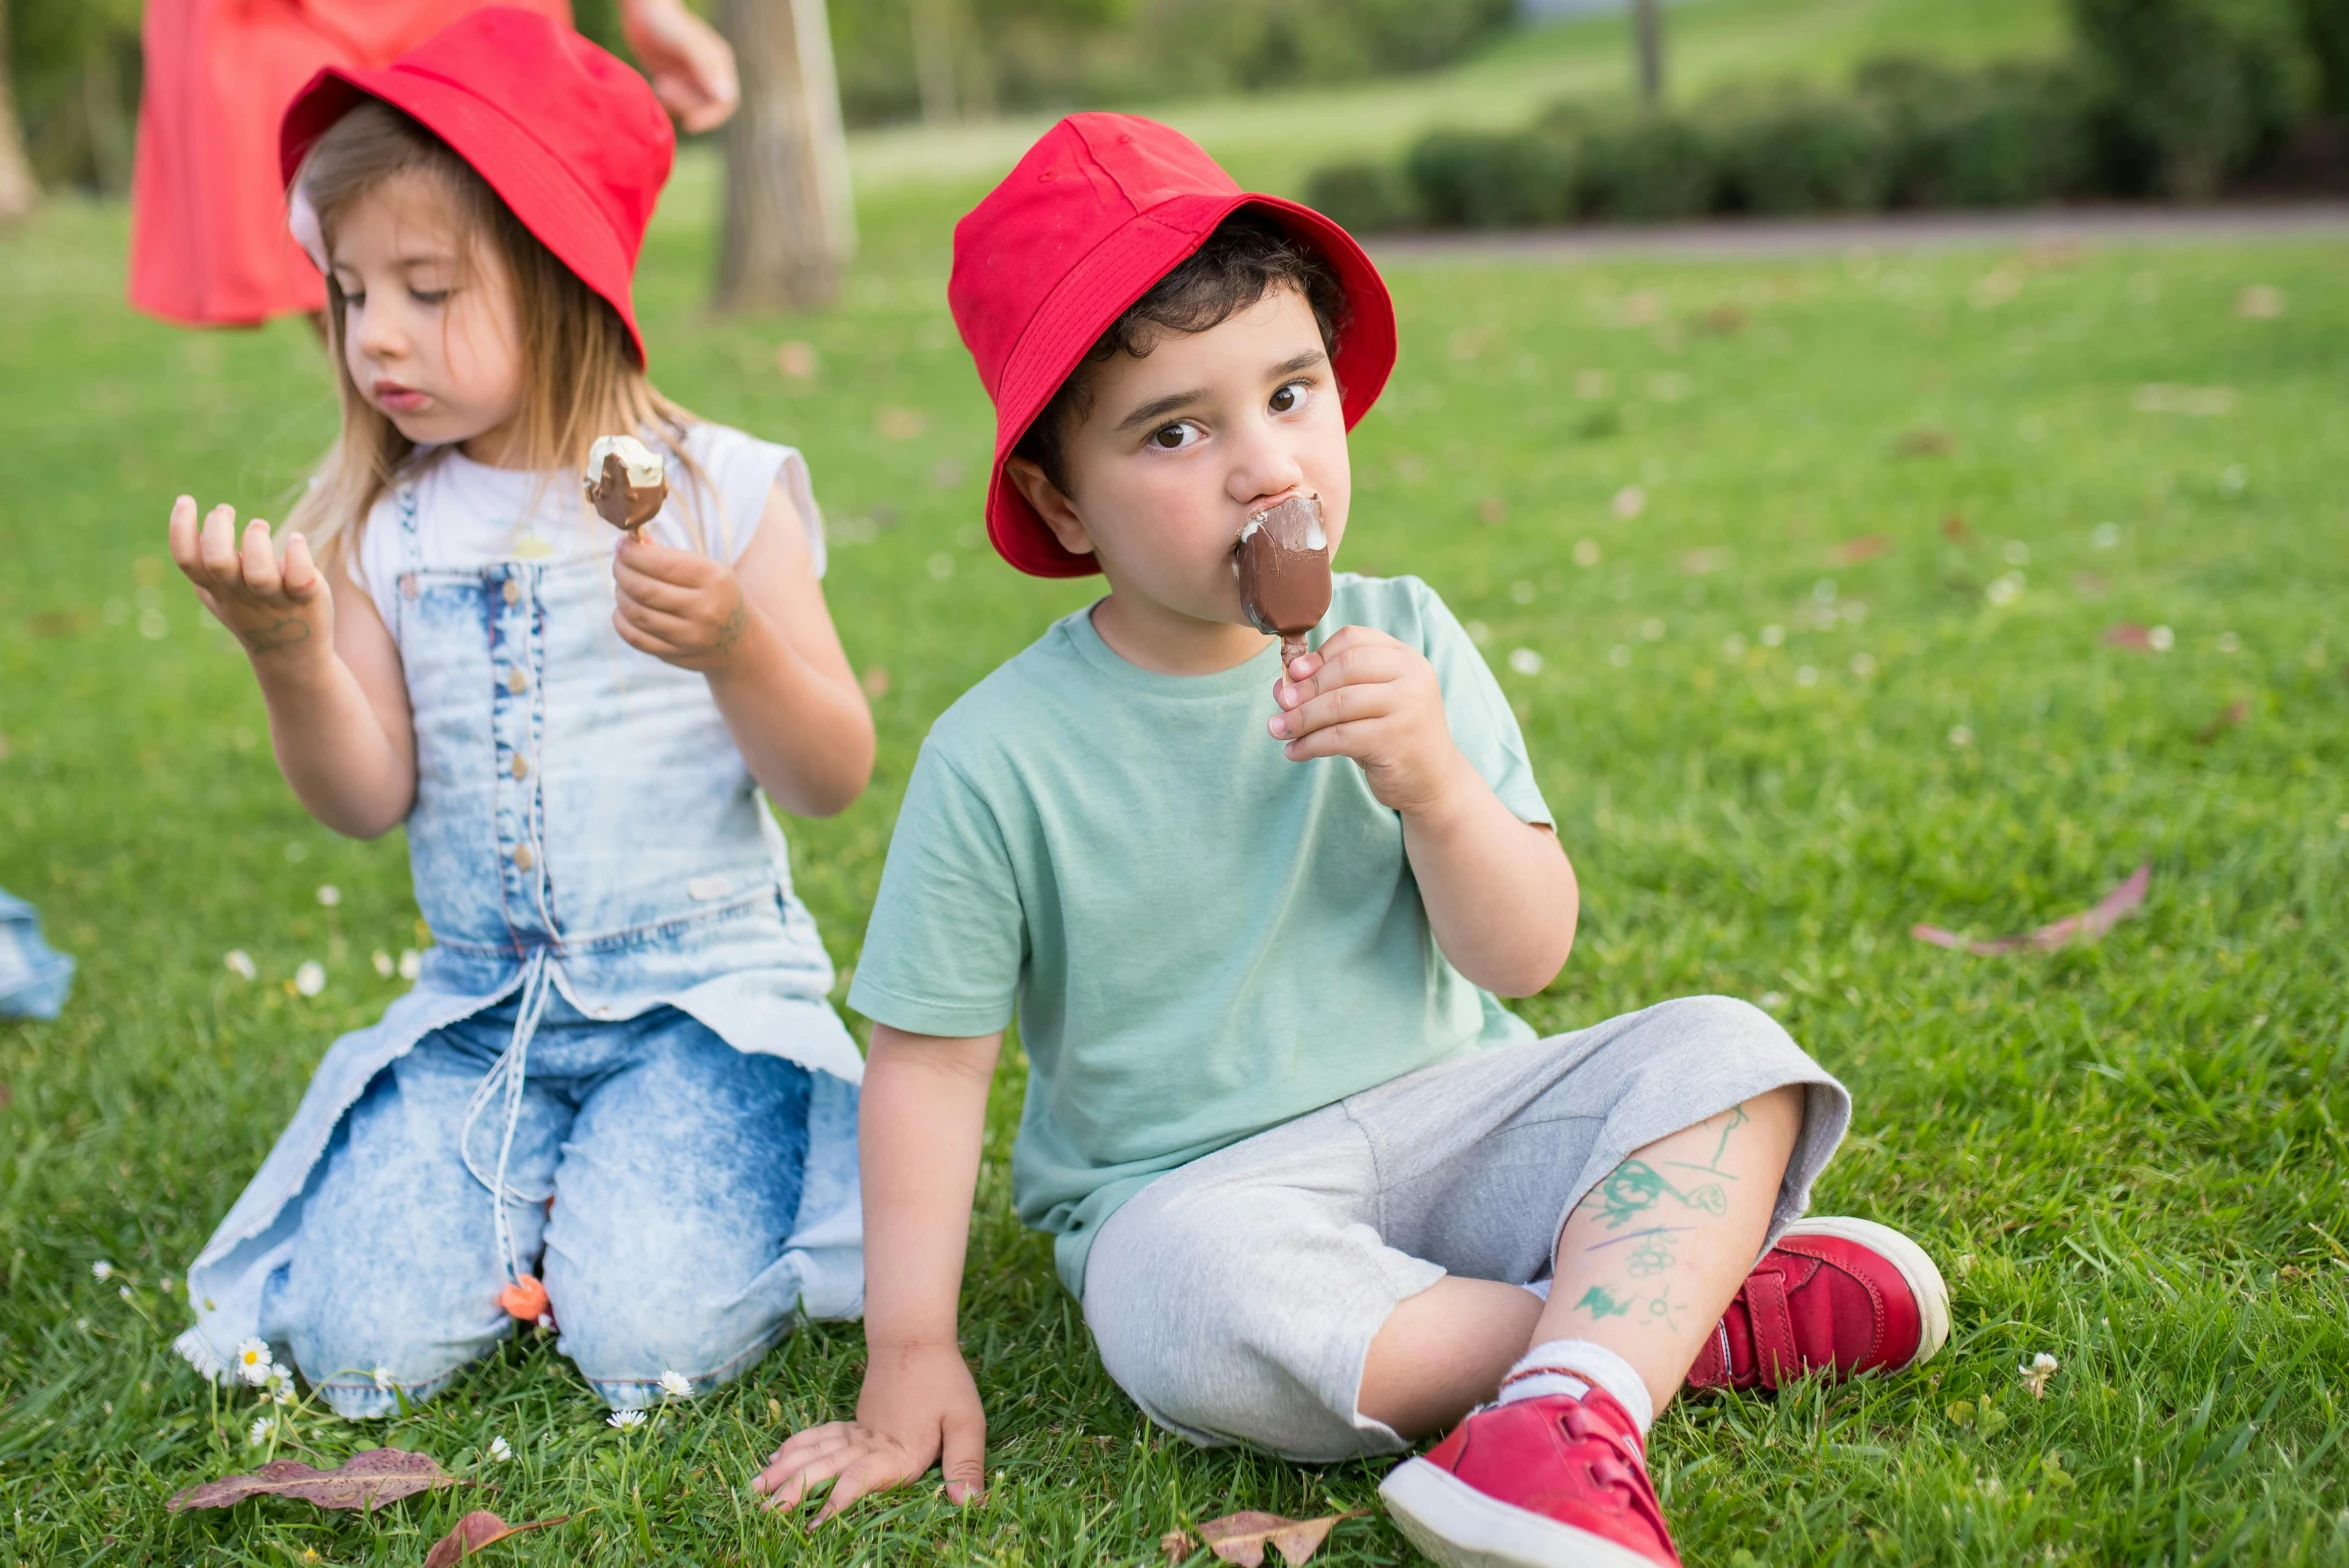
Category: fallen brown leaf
[1698,562]
[875,681]
[476,1531]
[2086,926]
[1928,442]
[1865,548]
[1722,320]
[2224,720]
[1493,509]
[2128,634]
[797,360]
[1242,1537]
[364,1481]
[1176,1545]
[1954,527]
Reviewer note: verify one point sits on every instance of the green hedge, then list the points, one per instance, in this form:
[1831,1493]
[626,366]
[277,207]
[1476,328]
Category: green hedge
[2173,98]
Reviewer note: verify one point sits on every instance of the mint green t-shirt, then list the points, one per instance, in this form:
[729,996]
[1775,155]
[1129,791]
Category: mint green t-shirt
[1201,939]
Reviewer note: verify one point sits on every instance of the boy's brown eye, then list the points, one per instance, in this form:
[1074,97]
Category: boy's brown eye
[1287,398]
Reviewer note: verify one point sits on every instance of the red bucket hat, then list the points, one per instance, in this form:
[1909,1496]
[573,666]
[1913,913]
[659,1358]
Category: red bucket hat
[1100,209]
[572,140]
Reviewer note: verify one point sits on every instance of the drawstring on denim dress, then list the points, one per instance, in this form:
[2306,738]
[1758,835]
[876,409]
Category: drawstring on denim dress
[524,1296]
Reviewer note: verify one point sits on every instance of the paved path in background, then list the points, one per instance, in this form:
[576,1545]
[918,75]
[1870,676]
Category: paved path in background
[1742,238]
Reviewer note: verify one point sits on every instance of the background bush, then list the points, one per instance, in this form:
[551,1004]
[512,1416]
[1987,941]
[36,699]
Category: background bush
[1822,156]
[2008,136]
[1491,179]
[1367,196]
[1648,169]
[2192,92]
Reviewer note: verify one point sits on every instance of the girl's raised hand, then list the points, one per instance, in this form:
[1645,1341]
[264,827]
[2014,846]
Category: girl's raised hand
[679,606]
[281,611]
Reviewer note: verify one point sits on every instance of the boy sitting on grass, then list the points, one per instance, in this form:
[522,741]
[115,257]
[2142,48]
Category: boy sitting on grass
[1316,1189]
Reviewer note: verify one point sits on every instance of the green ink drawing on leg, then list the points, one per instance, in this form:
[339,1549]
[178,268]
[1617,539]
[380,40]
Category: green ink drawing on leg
[1600,1302]
[1631,1190]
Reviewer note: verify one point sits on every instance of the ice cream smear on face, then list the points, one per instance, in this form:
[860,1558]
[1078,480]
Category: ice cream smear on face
[626,482]
[1282,561]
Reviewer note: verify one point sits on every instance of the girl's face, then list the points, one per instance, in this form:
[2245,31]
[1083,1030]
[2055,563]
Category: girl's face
[431,335]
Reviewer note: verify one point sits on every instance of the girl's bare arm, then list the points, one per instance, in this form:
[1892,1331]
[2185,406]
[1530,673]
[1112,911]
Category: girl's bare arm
[763,635]
[328,668]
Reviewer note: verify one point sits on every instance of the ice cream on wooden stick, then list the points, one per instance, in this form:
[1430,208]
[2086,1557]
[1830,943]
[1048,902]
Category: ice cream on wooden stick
[625,481]
[1282,561]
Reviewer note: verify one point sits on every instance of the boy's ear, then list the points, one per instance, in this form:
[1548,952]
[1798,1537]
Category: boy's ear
[1059,513]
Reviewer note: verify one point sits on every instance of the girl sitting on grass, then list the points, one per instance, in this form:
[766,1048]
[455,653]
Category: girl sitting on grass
[617,1103]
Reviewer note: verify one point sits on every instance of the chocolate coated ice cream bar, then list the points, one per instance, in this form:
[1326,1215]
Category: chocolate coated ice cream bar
[625,481]
[1282,561]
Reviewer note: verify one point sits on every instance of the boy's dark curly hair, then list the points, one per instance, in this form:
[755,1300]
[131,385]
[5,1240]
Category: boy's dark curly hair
[1247,257]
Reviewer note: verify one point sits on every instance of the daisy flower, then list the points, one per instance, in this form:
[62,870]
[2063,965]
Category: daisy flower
[383,1379]
[253,1363]
[625,1420]
[101,1270]
[676,1385]
[500,1450]
[258,1433]
[2042,1367]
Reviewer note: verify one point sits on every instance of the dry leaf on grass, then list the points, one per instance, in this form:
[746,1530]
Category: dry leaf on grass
[474,1532]
[1241,1538]
[365,1481]
[1865,548]
[1928,442]
[2224,720]
[2086,926]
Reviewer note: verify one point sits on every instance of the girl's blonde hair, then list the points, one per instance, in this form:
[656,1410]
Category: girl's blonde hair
[580,378]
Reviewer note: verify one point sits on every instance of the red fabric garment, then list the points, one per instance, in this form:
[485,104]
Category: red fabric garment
[1101,208]
[208,214]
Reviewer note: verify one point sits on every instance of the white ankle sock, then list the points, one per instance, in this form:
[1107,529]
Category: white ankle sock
[1595,1366]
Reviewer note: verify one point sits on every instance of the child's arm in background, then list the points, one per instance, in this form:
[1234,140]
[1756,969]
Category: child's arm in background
[1500,893]
[919,1131]
[762,634]
[328,668]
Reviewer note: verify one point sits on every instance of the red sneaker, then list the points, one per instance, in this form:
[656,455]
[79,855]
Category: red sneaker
[1557,1482]
[1835,1296]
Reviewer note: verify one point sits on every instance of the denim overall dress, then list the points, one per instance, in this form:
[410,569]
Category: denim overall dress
[600,875]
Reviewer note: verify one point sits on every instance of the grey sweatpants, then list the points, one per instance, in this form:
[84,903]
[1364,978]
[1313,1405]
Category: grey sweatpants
[1236,1298]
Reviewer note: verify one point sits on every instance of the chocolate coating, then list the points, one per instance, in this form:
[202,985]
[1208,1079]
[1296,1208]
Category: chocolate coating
[1283,565]
[620,503]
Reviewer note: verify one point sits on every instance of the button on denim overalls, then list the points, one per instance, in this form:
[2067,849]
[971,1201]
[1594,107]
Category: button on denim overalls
[584,829]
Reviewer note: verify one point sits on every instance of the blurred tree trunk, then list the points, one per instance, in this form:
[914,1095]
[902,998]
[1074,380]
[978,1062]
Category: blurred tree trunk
[933,30]
[19,191]
[789,226]
[1647,31]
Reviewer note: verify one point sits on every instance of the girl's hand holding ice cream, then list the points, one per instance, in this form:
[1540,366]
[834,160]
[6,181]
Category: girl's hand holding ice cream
[280,611]
[681,607]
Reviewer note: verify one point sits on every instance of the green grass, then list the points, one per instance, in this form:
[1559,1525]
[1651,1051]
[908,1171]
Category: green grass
[2129,1155]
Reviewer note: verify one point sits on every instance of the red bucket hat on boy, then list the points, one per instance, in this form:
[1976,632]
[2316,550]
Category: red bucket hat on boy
[1098,211]
[571,139]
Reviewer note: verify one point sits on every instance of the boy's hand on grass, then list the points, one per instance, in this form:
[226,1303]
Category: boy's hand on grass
[1364,695]
[282,612]
[919,1408]
[679,605]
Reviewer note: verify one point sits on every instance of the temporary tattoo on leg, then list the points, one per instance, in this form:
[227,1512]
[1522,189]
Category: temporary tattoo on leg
[1663,1312]
[1630,1192]
[1736,1118]
[1652,1256]
[1600,1302]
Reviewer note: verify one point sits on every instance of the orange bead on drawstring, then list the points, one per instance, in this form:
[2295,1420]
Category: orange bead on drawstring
[525,1299]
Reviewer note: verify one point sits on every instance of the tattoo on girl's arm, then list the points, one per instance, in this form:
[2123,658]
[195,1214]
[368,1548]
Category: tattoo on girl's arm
[285,632]
[730,632]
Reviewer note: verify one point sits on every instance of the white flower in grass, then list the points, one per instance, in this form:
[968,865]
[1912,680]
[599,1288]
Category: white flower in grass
[625,1420]
[411,964]
[164,1284]
[383,1379]
[2161,639]
[253,1363]
[676,1384]
[124,1292]
[2041,1368]
[283,1393]
[500,1450]
[310,979]
[1525,661]
[329,894]
[101,1270]
[383,963]
[240,963]
[258,1433]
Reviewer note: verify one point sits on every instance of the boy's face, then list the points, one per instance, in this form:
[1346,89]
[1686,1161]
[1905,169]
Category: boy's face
[1181,447]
